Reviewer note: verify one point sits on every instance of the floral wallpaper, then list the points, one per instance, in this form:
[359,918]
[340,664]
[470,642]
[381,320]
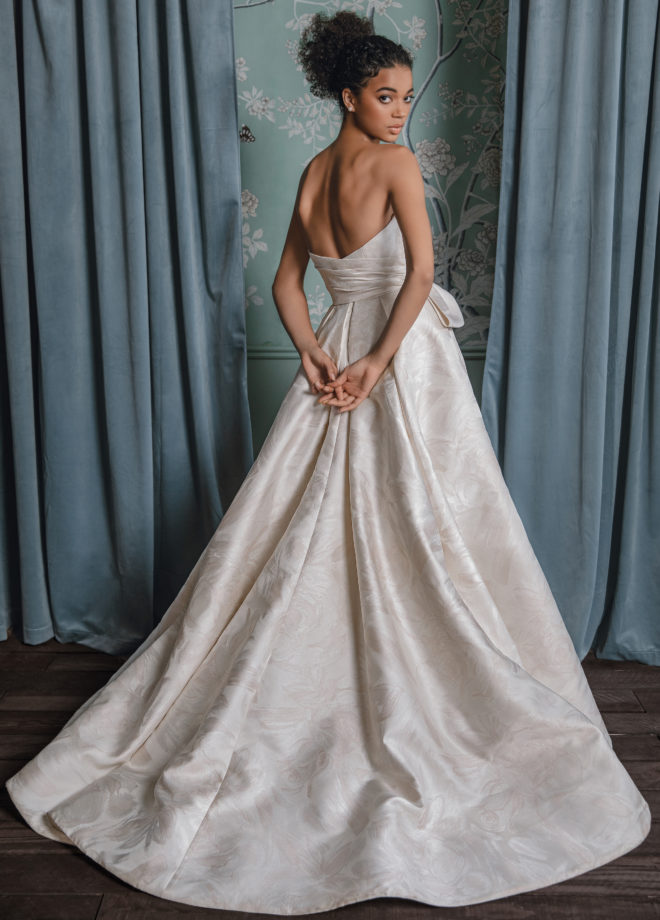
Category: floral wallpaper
[454,129]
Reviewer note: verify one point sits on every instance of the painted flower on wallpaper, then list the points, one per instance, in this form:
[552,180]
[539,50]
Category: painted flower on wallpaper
[241,69]
[440,251]
[249,204]
[381,5]
[487,236]
[252,296]
[434,157]
[299,22]
[252,241]
[257,104]
[252,244]
[416,33]
[489,165]
[292,50]
[495,25]
[470,261]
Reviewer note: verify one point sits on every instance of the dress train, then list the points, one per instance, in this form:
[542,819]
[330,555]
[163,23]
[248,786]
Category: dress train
[365,687]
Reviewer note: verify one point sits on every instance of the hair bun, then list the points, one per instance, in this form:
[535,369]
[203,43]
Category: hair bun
[322,49]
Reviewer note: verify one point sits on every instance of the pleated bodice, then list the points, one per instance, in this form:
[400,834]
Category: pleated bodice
[379,267]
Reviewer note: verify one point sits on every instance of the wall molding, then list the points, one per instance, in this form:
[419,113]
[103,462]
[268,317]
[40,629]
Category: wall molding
[270,352]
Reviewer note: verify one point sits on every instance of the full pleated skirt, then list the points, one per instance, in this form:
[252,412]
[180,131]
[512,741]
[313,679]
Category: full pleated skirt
[363,689]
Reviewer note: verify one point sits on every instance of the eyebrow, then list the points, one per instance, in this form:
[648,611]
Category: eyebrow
[391,89]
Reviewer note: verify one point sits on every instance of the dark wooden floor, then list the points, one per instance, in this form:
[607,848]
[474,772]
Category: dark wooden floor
[42,685]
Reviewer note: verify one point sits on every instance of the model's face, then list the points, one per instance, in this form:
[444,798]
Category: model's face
[383,105]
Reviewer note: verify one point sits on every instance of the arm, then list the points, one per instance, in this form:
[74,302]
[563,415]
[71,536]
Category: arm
[288,291]
[406,189]
[291,304]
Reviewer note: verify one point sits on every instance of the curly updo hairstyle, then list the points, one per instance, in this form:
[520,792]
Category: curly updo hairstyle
[343,51]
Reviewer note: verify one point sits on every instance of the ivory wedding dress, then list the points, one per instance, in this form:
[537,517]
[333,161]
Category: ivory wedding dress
[365,687]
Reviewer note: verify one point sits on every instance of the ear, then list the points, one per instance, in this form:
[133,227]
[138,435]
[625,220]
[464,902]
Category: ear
[348,99]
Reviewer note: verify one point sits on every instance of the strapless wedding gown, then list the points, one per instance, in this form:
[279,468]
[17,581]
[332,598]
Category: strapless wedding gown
[365,687]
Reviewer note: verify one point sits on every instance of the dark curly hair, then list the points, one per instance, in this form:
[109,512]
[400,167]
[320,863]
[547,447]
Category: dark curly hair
[343,51]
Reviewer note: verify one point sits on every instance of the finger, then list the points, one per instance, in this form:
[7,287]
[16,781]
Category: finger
[346,401]
[352,405]
[334,401]
[332,390]
[325,397]
[325,386]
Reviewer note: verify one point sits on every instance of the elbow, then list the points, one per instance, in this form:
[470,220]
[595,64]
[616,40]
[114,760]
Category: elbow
[276,289]
[424,276]
[281,287]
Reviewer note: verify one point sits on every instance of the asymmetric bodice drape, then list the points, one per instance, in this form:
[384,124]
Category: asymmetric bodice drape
[358,276]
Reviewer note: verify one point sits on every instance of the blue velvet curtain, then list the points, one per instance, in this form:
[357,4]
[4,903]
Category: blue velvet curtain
[571,394]
[125,421]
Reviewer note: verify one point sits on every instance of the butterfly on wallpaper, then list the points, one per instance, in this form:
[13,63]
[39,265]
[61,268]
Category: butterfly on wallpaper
[245,134]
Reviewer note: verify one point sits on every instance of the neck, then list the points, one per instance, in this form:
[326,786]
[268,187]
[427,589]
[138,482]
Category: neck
[350,133]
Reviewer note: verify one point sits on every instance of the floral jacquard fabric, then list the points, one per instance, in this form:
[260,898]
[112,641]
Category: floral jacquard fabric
[365,687]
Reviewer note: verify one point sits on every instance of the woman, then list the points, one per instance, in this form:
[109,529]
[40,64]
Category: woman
[351,191]
[365,687]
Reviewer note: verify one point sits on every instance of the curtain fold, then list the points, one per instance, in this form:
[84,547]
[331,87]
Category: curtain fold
[125,420]
[571,392]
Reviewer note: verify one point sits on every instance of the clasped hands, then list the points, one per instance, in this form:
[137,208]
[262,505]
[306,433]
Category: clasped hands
[345,390]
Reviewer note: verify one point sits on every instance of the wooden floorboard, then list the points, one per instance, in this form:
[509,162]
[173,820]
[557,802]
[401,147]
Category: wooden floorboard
[47,907]
[40,879]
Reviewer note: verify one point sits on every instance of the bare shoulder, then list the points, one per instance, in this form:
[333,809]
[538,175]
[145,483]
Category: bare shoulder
[393,157]
[310,175]
[303,176]
[396,162]
[399,153]
[318,162]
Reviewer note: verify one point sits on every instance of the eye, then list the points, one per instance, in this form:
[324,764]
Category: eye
[409,98]
[382,98]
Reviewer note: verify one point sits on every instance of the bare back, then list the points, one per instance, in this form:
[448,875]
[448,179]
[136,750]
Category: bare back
[343,199]
[346,195]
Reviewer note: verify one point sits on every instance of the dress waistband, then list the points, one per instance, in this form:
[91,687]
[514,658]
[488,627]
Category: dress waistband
[444,303]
